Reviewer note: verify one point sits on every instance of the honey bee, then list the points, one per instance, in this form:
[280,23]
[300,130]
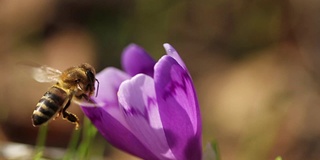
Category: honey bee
[73,84]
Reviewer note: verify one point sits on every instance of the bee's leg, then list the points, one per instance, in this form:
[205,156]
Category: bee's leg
[59,113]
[70,116]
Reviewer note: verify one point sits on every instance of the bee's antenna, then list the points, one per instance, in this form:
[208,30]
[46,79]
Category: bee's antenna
[97,87]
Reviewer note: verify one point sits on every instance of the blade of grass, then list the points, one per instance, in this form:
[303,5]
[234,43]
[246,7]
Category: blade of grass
[72,145]
[89,133]
[41,140]
[215,147]
[211,151]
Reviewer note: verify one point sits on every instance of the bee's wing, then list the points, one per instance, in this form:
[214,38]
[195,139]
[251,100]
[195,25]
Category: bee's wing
[41,73]
[45,74]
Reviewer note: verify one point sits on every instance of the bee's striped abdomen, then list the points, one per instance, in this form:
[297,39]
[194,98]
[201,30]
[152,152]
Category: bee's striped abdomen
[50,103]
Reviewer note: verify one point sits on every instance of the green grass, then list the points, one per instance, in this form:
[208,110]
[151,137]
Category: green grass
[41,140]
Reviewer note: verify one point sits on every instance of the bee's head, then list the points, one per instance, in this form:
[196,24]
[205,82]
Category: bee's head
[81,79]
[90,76]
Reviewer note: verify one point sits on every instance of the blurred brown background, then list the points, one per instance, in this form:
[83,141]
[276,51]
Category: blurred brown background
[255,64]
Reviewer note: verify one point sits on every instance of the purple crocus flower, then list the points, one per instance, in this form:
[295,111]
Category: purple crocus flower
[150,109]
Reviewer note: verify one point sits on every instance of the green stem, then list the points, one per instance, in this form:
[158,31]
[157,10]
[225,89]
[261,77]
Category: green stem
[216,149]
[41,140]
[89,133]
[72,145]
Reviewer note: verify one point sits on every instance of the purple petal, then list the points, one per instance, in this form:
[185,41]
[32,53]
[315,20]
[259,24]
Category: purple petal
[116,133]
[109,82]
[109,119]
[179,108]
[174,54]
[136,60]
[138,101]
